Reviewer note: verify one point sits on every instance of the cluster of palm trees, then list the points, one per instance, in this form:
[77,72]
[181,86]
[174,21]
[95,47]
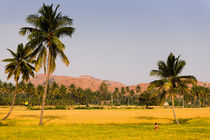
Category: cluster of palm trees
[66,95]
[44,45]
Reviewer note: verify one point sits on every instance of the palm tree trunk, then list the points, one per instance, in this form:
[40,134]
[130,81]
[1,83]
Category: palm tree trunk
[183,102]
[206,99]
[118,99]
[172,99]
[45,89]
[112,100]
[13,102]
[128,100]
[195,100]
[199,102]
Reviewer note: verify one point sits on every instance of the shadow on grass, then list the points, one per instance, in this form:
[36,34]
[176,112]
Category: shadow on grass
[29,116]
[49,118]
[46,118]
[172,121]
[182,121]
[151,118]
[7,123]
[4,124]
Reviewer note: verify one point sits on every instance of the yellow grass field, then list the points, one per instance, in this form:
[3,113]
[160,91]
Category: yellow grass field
[106,124]
[107,116]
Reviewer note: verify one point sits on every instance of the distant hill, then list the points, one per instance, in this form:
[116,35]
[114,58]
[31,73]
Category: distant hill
[86,81]
[83,81]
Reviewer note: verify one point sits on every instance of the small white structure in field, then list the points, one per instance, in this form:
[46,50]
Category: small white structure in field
[166,104]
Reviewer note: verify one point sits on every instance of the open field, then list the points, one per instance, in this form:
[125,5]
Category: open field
[106,124]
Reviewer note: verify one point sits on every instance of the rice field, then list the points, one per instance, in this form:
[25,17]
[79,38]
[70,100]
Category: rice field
[106,124]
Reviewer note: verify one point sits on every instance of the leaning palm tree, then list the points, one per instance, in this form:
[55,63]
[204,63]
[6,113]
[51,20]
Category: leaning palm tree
[48,26]
[18,66]
[171,82]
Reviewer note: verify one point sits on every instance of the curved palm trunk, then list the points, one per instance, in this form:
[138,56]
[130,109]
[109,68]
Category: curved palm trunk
[13,102]
[172,99]
[45,89]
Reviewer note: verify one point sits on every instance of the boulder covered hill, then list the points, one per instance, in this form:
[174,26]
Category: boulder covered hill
[86,81]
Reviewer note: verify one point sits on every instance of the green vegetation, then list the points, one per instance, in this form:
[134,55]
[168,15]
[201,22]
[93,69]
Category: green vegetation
[72,95]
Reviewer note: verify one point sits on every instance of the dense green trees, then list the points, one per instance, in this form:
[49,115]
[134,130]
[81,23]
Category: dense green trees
[72,95]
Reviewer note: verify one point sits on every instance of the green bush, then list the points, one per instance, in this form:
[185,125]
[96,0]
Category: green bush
[60,108]
[49,108]
[33,108]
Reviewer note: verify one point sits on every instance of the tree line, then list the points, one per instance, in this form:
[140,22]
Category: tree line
[31,95]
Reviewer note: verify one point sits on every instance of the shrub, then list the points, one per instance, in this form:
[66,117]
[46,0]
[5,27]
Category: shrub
[60,108]
[33,108]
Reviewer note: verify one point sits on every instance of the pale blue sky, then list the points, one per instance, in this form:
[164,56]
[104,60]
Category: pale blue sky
[120,40]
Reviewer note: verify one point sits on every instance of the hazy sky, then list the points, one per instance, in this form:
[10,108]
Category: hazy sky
[120,40]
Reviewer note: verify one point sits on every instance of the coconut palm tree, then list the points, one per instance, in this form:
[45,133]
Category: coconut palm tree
[72,89]
[171,81]
[39,92]
[197,92]
[127,89]
[18,66]
[138,89]
[48,26]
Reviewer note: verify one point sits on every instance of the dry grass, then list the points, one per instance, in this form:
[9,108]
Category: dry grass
[116,124]
[109,116]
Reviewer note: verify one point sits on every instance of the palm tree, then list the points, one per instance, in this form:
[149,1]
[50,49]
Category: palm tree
[29,90]
[127,89]
[72,89]
[18,66]
[54,90]
[197,92]
[116,93]
[48,27]
[138,89]
[39,92]
[131,94]
[170,80]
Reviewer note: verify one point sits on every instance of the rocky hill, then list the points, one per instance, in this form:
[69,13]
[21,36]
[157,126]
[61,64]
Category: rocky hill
[83,81]
[86,81]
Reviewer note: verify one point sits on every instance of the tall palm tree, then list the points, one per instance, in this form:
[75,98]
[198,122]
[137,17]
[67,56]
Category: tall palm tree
[127,89]
[18,66]
[48,26]
[72,89]
[171,81]
[138,89]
